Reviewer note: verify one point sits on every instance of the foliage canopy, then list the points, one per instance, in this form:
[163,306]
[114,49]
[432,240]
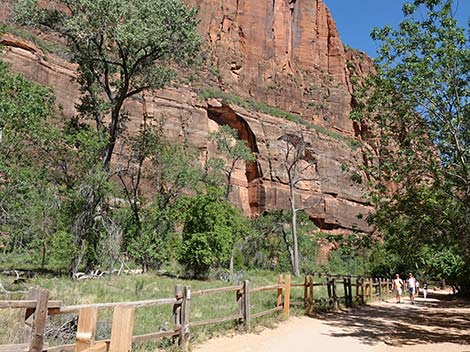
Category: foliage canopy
[122,48]
[419,103]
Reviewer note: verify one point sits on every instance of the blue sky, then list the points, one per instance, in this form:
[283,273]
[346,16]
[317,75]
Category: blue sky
[356,18]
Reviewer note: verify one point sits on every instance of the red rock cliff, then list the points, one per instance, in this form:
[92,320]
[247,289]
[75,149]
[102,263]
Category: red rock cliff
[286,53]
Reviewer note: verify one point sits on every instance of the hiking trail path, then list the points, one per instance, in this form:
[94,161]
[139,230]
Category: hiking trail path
[431,325]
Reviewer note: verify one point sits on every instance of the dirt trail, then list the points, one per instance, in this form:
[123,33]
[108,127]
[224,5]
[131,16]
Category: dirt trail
[431,325]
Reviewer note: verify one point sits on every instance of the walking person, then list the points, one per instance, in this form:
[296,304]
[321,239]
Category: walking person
[425,290]
[412,287]
[397,286]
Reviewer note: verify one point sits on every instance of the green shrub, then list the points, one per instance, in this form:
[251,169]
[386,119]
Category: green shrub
[61,249]
[212,226]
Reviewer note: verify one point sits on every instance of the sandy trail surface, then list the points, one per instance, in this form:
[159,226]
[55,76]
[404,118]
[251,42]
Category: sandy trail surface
[431,325]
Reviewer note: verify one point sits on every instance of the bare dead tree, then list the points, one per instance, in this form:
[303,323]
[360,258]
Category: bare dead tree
[297,160]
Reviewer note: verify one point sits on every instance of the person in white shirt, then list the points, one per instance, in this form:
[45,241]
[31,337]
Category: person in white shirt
[412,287]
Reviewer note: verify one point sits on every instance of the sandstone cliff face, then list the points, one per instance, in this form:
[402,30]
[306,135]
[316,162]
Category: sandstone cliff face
[330,196]
[285,53]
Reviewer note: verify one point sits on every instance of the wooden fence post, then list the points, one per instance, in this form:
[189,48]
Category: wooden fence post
[177,311]
[311,300]
[371,289]
[335,296]
[239,298]
[177,305]
[29,316]
[305,292]
[246,304]
[362,291]
[40,319]
[287,297]
[184,332]
[346,295]
[328,288]
[122,329]
[86,330]
[350,301]
[380,288]
[358,280]
[350,292]
[279,290]
[388,287]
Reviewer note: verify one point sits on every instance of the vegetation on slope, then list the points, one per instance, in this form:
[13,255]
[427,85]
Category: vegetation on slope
[257,106]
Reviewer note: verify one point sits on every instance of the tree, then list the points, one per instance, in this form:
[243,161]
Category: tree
[171,169]
[265,247]
[46,173]
[211,226]
[418,103]
[297,160]
[28,199]
[233,150]
[122,48]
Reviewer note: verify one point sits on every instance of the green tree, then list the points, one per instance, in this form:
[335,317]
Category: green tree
[122,48]
[266,248]
[211,228]
[44,167]
[268,245]
[418,103]
[28,198]
[172,170]
[232,150]
[87,216]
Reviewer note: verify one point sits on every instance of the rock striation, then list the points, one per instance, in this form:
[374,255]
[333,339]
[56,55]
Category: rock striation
[284,53]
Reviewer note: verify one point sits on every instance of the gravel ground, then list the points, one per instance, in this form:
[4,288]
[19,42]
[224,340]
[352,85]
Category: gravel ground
[432,325]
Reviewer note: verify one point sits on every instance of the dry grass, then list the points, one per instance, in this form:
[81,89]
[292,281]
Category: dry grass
[149,286]
[132,288]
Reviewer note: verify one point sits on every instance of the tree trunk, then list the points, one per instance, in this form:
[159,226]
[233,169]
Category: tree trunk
[231,268]
[109,154]
[73,267]
[113,133]
[288,245]
[145,265]
[295,245]
[228,188]
[43,254]
[296,269]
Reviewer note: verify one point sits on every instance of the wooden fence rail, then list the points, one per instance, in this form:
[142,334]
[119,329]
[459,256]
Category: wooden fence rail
[38,307]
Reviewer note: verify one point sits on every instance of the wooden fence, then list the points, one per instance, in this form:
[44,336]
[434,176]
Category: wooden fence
[38,307]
